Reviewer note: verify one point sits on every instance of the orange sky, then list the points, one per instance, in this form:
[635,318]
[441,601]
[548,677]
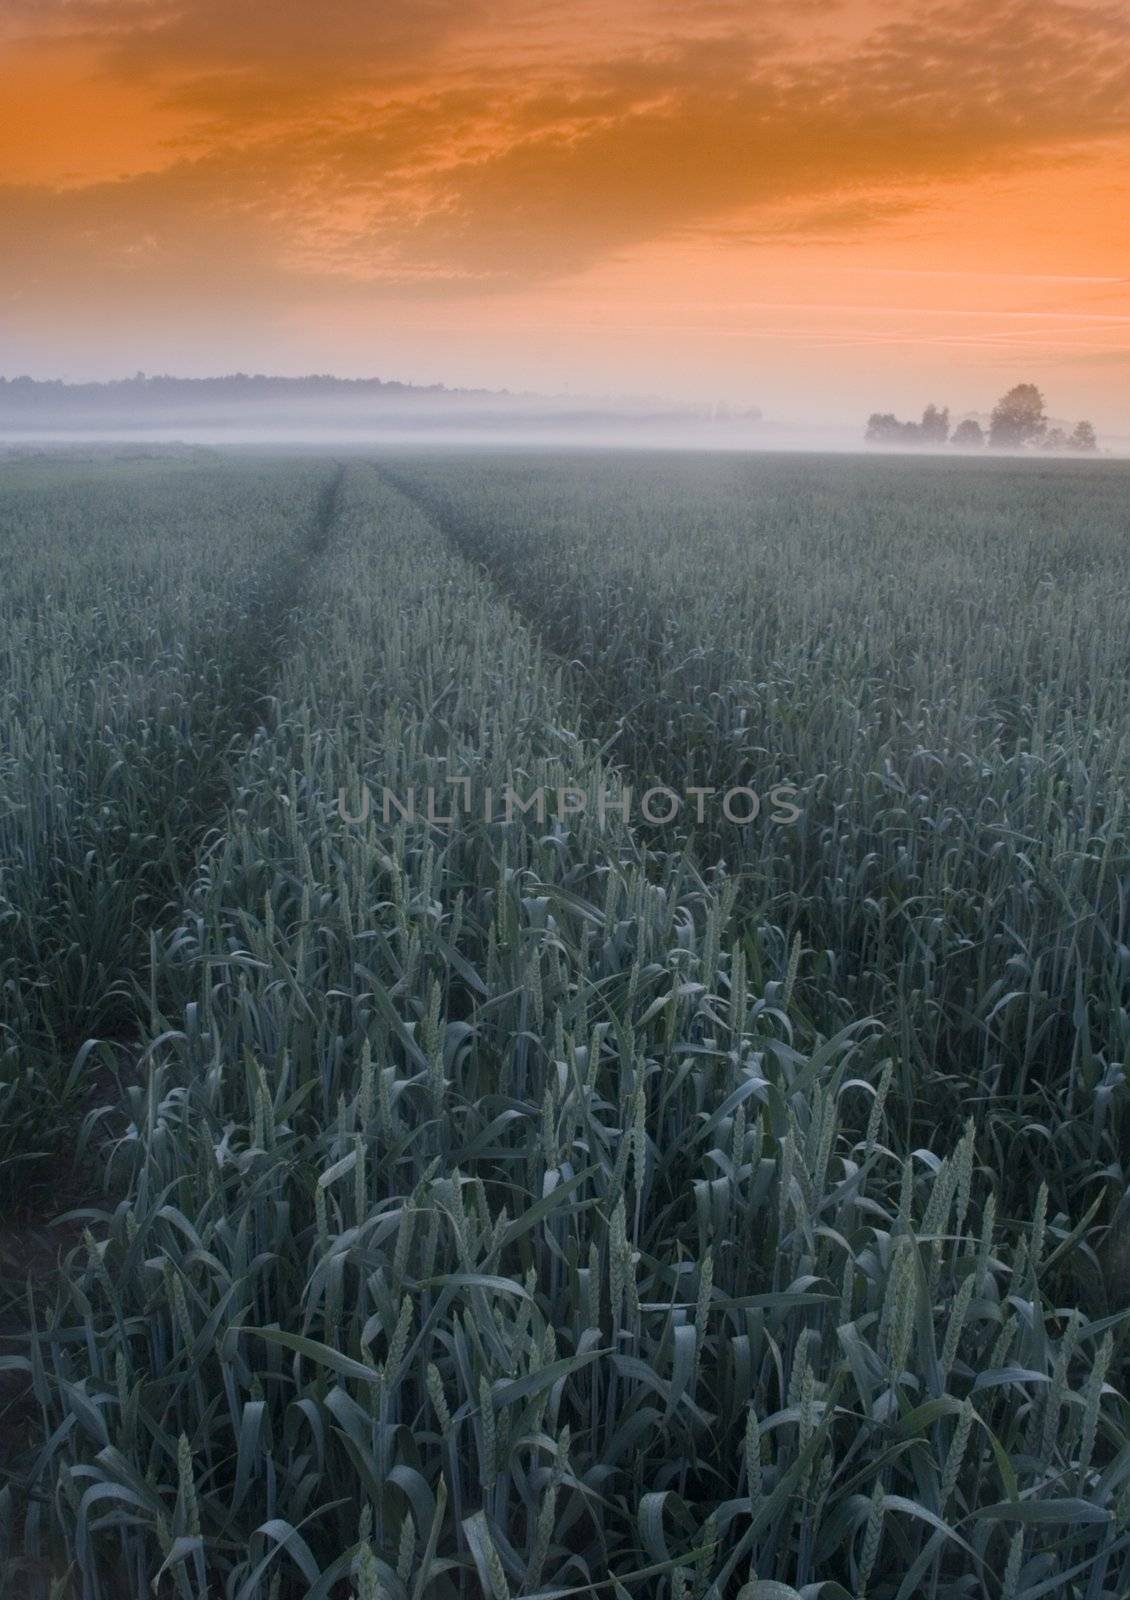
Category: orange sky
[819,208]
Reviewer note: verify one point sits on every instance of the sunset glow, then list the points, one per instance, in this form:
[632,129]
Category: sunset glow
[820,209]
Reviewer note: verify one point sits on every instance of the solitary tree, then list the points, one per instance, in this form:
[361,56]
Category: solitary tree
[1084,438]
[1018,418]
[969,435]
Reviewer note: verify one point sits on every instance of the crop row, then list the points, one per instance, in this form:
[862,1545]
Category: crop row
[937,658]
[136,619]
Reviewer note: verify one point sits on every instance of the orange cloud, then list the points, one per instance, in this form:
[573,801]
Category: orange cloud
[270,154]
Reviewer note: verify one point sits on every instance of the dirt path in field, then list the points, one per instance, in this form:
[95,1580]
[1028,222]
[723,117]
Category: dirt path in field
[260,649]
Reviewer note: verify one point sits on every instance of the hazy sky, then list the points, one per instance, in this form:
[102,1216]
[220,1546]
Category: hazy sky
[816,207]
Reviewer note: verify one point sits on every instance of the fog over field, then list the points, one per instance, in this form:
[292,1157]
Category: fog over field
[348,414]
[244,410]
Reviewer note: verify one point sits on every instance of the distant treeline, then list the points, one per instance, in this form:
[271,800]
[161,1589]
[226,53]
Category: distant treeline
[233,386]
[143,400]
[1019,421]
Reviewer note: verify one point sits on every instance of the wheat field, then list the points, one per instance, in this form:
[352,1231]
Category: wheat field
[511,1200]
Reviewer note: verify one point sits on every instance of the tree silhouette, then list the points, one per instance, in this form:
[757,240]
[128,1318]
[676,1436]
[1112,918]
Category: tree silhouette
[969,435]
[1019,421]
[935,425]
[883,427]
[1018,418]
